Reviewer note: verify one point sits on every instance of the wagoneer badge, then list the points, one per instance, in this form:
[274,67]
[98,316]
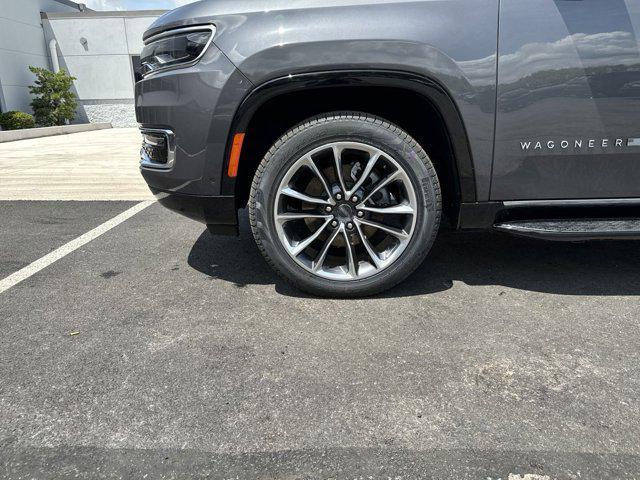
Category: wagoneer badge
[590,143]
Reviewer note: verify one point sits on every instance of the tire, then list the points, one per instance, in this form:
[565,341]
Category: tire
[366,270]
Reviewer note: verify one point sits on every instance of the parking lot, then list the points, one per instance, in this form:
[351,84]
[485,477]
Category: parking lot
[157,349]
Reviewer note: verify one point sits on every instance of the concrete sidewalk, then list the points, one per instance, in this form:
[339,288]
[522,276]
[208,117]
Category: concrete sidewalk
[98,165]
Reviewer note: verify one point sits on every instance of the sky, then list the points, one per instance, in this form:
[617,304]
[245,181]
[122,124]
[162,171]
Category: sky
[133,4]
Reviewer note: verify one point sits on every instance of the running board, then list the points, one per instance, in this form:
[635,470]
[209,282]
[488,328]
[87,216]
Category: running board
[575,229]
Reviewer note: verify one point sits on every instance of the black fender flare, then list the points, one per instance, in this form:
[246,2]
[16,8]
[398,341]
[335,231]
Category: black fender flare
[432,91]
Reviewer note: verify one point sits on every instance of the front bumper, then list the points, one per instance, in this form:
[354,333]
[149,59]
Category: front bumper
[197,105]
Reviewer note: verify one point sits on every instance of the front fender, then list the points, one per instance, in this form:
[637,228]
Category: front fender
[452,42]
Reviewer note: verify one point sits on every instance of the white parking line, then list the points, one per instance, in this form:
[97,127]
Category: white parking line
[67,248]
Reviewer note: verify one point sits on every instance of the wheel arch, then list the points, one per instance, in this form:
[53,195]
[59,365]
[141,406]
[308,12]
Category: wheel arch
[459,167]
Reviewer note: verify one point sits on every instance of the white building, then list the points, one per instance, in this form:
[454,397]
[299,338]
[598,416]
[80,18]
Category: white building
[22,44]
[100,49]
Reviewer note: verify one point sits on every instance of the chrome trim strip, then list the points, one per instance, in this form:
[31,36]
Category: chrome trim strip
[633,142]
[146,162]
[572,203]
[177,31]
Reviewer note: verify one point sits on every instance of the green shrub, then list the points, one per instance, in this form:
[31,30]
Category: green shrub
[54,103]
[16,120]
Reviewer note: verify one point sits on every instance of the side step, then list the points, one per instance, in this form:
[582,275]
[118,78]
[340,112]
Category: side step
[575,229]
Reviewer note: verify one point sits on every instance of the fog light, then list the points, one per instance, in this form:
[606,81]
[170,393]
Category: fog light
[158,149]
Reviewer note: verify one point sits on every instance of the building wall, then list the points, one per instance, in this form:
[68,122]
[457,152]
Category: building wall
[96,48]
[22,44]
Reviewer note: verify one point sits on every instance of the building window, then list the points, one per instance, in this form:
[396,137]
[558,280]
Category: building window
[137,68]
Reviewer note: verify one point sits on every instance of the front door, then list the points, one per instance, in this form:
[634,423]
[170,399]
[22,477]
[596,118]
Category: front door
[568,106]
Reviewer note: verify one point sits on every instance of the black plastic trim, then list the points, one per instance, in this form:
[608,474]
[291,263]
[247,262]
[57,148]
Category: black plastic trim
[219,213]
[429,89]
[484,215]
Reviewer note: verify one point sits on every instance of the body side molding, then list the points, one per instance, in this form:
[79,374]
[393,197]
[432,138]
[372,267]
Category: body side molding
[588,202]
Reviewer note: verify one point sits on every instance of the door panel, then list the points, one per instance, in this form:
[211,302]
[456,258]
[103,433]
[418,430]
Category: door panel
[568,106]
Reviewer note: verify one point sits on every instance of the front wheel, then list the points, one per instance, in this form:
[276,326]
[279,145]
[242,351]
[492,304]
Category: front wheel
[345,205]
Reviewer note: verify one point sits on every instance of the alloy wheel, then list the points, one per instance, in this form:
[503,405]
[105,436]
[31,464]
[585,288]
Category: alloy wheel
[345,211]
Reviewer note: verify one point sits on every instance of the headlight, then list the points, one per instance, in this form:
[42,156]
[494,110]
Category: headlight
[175,49]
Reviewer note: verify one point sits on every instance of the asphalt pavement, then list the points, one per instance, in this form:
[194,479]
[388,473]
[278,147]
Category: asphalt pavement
[159,350]
[33,229]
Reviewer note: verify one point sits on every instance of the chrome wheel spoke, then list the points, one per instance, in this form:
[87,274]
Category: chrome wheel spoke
[365,174]
[403,209]
[391,178]
[300,246]
[401,234]
[365,241]
[351,263]
[308,161]
[288,217]
[290,192]
[319,262]
[337,158]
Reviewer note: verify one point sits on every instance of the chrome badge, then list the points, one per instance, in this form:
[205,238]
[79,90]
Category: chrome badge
[578,144]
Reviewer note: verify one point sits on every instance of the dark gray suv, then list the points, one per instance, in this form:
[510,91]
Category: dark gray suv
[353,128]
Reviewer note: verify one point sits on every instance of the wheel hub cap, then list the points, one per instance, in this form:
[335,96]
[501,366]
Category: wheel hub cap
[344,213]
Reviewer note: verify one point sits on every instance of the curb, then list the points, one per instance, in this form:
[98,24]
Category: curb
[14,135]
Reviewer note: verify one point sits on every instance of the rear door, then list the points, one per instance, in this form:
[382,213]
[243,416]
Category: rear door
[568,106]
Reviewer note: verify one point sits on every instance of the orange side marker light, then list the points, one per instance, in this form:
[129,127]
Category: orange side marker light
[234,158]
